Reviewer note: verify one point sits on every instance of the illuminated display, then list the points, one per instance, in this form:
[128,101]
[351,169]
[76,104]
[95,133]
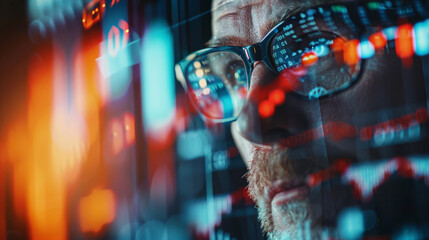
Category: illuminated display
[93,13]
[421,42]
[114,39]
[339,130]
[404,43]
[366,177]
[378,40]
[365,49]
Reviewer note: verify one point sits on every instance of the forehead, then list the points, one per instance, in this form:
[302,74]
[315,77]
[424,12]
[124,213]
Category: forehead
[245,22]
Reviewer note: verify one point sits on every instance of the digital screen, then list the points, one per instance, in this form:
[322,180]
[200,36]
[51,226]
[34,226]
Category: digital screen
[217,120]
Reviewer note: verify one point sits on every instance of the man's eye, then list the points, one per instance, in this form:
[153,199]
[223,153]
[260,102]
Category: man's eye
[235,72]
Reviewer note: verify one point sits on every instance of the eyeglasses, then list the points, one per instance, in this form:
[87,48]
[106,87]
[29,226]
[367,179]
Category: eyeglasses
[324,48]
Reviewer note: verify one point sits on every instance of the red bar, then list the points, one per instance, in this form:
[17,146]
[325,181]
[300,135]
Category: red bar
[404,43]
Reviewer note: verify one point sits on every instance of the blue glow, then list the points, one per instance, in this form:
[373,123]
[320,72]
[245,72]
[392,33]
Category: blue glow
[421,166]
[366,49]
[369,176]
[421,38]
[351,223]
[228,107]
[152,230]
[408,233]
[390,33]
[190,144]
[116,70]
[157,88]
[317,92]
[204,215]
[321,50]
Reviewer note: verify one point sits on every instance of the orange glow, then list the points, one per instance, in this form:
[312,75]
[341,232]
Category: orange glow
[113,41]
[50,139]
[3,157]
[88,14]
[351,56]
[87,98]
[378,40]
[17,137]
[242,92]
[404,43]
[125,27]
[338,48]
[68,128]
[43,191]
[117,135]
[96,210]
[114,2]
[266,109]
[288,79]
[309,58]
[70,143]
[338,44]
[130,130]
[277,97]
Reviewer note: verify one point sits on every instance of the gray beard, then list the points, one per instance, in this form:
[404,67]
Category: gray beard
[296,223]
[298,218]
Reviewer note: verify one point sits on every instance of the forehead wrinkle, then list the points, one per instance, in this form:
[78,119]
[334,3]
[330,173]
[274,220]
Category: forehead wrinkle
[238,3]
[253,30]
[268,26]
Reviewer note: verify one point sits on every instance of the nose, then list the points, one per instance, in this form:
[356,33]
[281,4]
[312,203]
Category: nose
[271,113]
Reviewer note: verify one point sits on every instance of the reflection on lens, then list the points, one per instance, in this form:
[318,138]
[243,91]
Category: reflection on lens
[329,67]
[218,84]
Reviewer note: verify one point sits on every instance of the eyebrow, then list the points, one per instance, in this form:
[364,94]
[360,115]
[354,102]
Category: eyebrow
[225,41]
[237,41]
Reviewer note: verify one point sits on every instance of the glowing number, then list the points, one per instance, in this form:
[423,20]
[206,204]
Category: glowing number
[124,26]
[404,41]
[113,2]
[113,50]
[113,43]
[350,54]
[309,58]
[378,40]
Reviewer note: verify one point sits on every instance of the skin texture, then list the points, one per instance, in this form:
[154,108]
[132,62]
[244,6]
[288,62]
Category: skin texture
[381,89]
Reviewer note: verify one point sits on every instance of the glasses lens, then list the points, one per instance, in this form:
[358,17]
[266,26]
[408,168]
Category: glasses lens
[218,84]
[318,58]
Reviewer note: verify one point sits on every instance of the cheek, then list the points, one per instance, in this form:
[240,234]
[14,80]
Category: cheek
[244,147]
[384,86]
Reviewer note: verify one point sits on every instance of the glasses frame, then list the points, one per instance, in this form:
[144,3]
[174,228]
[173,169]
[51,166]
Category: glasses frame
[261,51]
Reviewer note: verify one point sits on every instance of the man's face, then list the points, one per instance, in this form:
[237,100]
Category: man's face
[277,174]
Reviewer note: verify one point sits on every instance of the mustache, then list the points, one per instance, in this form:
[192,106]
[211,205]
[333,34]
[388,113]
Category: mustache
[269,165]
